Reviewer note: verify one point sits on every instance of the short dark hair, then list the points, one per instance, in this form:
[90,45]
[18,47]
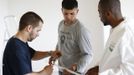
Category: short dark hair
[69,4]
[29,18]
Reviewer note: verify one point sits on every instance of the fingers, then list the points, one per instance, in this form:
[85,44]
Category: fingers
[55,55]
[66,72]
[74,67]
[58,53]
[52,60]
[48,70]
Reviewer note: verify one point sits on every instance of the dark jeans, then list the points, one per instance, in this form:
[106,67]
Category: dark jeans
[60,73]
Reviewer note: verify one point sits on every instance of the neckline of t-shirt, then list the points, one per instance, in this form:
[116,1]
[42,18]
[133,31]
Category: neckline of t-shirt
[71,25]
[19,39]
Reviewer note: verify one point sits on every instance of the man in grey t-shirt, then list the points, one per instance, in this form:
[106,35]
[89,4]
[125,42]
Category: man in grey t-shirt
[73,40]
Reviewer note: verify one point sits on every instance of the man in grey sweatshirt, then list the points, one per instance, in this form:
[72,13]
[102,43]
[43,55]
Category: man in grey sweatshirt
[73,41]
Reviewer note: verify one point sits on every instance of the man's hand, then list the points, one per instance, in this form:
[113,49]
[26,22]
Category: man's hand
[55,55]
[73,68]
[66,72]
[93,71]
[48,70]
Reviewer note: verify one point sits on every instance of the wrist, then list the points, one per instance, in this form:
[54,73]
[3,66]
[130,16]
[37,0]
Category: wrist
[50,53]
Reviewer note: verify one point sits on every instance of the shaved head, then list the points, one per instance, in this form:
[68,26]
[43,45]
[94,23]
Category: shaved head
[110,5]
[110,12]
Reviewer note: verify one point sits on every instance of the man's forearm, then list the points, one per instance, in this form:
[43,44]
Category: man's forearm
[40,55]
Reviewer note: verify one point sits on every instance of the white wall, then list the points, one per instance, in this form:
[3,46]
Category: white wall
[127,8]
[3,12]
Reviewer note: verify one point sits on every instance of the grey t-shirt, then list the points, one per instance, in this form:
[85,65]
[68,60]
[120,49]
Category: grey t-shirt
[74,44]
